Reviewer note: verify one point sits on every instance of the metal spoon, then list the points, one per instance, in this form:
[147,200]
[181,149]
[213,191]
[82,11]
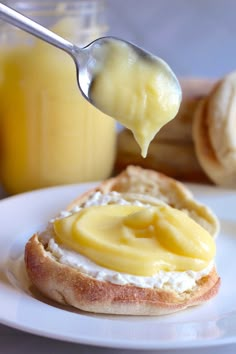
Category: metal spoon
[86,59]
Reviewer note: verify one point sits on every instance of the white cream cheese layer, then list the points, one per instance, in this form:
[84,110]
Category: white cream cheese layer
[174,281]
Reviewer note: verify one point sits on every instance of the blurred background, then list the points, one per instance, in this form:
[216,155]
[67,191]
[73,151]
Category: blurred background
[57,136]
[196,37]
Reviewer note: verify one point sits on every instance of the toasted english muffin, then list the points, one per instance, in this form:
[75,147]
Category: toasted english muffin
[135,179]
[68,285]
[214,132]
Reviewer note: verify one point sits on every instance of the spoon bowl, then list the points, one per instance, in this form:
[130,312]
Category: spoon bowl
[89,59]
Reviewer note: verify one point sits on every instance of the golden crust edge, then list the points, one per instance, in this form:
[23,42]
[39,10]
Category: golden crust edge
[169,188]
[67,285]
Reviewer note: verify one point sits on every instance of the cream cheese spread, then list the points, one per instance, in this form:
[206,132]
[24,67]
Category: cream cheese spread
[172,280]
[175,281]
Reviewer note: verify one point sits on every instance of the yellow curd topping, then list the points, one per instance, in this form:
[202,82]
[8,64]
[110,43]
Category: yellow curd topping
[141,93]
[137,240]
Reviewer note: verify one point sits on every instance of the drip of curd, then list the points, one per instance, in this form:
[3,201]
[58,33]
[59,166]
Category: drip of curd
[137,240]
[141,93]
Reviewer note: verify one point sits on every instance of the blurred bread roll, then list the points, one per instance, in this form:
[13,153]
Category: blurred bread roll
[172,158]
[214,132]
[172,151]
[180,128]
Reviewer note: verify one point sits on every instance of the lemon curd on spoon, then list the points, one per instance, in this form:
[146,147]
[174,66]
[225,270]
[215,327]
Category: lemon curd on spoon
[141,92]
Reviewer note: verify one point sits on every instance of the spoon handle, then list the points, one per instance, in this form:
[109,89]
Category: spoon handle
[16,19]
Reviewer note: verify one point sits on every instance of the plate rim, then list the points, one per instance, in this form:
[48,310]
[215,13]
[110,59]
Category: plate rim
[111,343]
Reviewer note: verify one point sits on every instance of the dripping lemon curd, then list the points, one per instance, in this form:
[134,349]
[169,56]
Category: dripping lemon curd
[141,93]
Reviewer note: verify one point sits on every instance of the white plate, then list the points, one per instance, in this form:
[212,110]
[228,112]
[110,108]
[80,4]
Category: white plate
[213,323]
